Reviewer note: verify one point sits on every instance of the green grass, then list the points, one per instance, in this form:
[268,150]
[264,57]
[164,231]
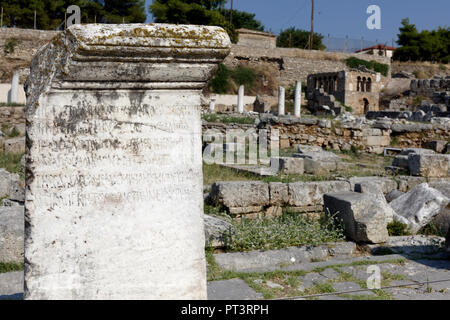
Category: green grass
[3,104]
[10,267]
[227,119]
[290,282]
[281,232]
[396,228]
[11,162]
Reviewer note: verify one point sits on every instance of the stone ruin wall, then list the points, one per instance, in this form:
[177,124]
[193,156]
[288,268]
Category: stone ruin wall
[28,42]
[257,39]
[292,64]
[12,115]
[330,134]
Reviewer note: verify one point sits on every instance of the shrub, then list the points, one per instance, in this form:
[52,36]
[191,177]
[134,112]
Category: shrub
[10,46]
[396,228]
[244,76]
[354,62]
[281,232]
[226,79]
[220,82]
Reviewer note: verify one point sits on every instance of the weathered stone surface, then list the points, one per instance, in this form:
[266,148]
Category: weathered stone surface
[419,206]
[215,230]
[363,219]
[386,184]
[406,183]
[260,260]
[316,167]
[394,194]
[14,145]
[321,155]
[279,193]
[429,165]
[302,194]
[11,285]
[11,234]
[422,151]
[289,165]
[375,190]
[115,164]
[6,180]
[307,148]
[233,194]
[233,289]
[442,219]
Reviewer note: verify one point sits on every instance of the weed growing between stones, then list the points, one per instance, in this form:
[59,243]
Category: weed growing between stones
[227,119]
[396,228]
[10,267]
[11,162]
[281,232]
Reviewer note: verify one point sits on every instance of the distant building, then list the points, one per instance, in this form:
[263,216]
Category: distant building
[378,50]
[258,39]
[357,89]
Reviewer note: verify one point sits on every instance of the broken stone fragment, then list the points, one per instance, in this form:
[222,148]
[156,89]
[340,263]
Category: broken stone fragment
[215,230]
[363,218]
[429,165]
[419,206]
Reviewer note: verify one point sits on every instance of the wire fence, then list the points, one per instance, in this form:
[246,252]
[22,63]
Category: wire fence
[349,45]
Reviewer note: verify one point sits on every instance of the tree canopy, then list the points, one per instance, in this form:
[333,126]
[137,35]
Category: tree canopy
[296,38]
[50,13]
[422,46]
[203,12]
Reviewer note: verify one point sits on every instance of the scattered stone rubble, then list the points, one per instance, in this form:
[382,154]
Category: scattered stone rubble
[419,206]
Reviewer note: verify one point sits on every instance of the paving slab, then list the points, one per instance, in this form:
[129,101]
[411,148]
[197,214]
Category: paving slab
[11,285]
[233,289]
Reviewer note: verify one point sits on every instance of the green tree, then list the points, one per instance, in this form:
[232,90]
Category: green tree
[50,13]
[422,46]
[296,38]
[242,19]
[200,12]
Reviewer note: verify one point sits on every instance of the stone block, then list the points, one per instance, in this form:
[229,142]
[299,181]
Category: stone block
[11,234]
[429,165]
[376,190]
[304,194]
[290,165]
[361,215]
[114,182]
[406,183]
[377,141]
[419,206]
[385,184]
[234,194]
[279,193]
[401,161]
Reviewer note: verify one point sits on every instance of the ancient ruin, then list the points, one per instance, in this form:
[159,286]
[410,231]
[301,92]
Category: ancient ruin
[355,89]
[113,156]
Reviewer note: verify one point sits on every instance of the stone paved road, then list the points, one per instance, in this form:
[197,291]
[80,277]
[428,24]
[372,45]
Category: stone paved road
[400,281]
[328,279]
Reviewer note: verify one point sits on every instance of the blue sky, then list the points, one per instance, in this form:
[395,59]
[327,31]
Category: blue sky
[341,18]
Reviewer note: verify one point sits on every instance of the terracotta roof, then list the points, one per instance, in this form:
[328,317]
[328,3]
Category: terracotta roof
[379,47]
